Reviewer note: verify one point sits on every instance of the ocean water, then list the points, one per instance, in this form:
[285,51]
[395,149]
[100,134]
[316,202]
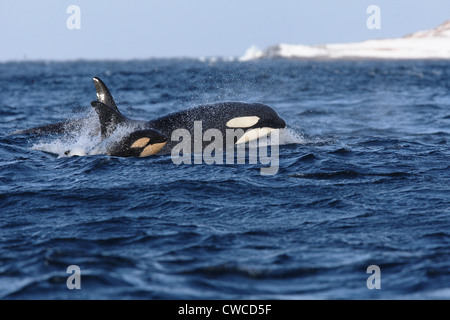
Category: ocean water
[364,180]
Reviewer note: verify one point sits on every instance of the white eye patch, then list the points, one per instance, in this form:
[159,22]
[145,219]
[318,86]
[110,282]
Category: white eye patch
[254,134]
[242,122]
[140,143]
[152,149]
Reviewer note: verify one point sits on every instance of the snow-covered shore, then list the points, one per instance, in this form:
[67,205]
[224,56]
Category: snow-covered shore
[430,44]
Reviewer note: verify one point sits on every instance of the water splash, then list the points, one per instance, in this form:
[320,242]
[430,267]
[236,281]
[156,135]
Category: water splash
[85,140]
[292,136]
[81,145]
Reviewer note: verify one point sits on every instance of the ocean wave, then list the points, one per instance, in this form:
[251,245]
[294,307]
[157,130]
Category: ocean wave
[348,174]
[363,180]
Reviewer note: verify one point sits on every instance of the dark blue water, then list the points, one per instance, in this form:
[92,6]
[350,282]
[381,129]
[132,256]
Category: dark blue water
[366,183]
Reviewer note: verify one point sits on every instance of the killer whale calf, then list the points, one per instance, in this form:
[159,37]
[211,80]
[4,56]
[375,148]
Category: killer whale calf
[154,137]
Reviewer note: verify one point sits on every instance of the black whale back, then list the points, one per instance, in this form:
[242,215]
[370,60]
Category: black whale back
[216,116]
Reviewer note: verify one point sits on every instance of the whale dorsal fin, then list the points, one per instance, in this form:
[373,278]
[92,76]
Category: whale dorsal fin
[109,118]
[103,94]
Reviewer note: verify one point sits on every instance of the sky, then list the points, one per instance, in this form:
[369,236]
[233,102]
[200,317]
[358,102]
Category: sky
[140,29]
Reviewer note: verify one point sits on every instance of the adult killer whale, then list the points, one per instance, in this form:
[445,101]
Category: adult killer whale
[152,137]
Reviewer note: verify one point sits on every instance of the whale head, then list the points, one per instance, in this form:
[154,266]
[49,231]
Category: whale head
[142,143]
[253,116]
[257,120]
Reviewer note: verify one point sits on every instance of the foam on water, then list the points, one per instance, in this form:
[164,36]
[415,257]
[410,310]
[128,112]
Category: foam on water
[80,145]
[292,136]
[84,141]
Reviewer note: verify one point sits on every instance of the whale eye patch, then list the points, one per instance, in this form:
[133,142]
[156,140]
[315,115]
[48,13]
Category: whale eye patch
[242,122]
[152,149]
[140,143]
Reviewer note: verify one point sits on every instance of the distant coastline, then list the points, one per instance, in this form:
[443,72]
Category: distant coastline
[429,44]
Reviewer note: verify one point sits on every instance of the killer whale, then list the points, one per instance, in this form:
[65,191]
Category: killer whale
[221,116]
[154,136]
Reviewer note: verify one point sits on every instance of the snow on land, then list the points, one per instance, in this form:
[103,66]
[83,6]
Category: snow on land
[429,44]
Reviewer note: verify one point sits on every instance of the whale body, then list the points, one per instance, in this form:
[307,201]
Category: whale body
[154,137]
